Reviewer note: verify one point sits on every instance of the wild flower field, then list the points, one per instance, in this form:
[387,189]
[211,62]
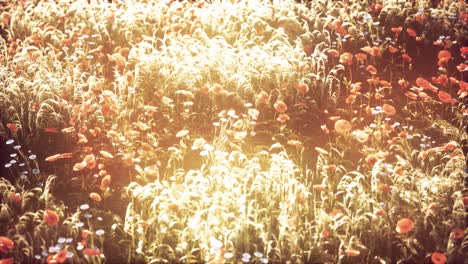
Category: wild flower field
[233,131]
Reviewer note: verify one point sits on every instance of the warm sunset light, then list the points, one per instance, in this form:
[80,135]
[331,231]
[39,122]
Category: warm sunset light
[233,131]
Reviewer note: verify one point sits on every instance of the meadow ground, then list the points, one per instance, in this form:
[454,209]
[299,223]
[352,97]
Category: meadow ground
[233,131]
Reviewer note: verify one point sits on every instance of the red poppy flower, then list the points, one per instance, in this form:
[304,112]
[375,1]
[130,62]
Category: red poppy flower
[7,261]
[282,118]
[442,79]
[371,69]
[325,234]
[403,83]
[51,130]
[392,49]
[411,32]
[16,197]
[462,67]
[388,109]
[106,154]
[423,83]
[319,187]
[443,62]
[60,257]
[352,252]
[404,226]
[397,30]
[380,212]
[385,188]
[346,58]
[373,51]
[96,197]
[445,97]
[13,127]
[464,52]
[91,252]
[411,95]
[457,233]
[280,106]
[438,258]
[302,88]
[360,57]
[333,52]
[450,146]
[51,217]
[105,182]
[406,57]
[342,126]
[263,98]
[6,244]
[444,54]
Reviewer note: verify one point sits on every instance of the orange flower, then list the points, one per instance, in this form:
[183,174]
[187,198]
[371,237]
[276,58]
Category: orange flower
[325,234]
[352,252]
[346,58]
[445,97]
[388,109]
[411,32]
[6,244]
[280,107]
[342,126]
[51,217]
[282,118]
[404,226]
[105,182]
[96,197]
[438,258]
[371,69]
[457,233]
